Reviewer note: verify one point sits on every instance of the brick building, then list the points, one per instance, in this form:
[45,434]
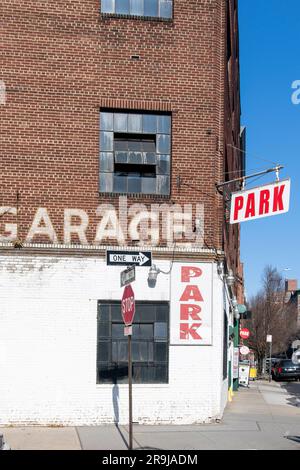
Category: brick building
[118,120]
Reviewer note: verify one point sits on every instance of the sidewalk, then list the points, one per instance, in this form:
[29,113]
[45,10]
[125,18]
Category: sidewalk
[263,416]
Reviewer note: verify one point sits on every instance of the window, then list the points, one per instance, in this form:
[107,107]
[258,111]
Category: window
[150,343]
[135,153]
[148,8]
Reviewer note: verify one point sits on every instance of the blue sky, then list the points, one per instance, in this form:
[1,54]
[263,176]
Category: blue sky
[270,63]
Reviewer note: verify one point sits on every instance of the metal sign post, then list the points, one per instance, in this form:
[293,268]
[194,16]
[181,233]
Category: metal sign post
[128,311]
[269,340]
[130,390]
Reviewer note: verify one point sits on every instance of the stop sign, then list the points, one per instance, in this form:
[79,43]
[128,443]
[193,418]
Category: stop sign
[245,333]
[128,305]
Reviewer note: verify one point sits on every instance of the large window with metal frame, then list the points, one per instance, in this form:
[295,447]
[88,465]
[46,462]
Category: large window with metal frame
[150,343]
[135,152]
[147,8]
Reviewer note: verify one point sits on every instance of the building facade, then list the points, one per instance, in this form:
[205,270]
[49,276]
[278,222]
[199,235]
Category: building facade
[119,119]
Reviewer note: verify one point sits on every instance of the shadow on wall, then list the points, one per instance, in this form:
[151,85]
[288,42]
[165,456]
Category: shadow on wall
[116,405]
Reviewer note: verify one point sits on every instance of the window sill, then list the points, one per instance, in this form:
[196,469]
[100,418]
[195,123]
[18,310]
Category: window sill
[136,195]
[157,19]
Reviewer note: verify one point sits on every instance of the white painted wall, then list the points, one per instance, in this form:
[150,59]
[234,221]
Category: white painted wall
[48,331]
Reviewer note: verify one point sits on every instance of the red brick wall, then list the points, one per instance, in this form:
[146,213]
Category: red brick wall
[62,61]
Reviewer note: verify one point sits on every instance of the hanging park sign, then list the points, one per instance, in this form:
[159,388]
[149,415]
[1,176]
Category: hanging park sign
[263,201]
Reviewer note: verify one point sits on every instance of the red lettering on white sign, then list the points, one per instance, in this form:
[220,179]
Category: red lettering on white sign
[187,311]
[188,272]
[272,199]
[187,330]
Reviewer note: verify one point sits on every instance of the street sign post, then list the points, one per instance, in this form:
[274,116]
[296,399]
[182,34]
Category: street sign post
[128,311]
[128,276]
[269,340]
[128,258]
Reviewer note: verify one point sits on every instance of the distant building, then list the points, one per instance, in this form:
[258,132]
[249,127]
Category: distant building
[292,298]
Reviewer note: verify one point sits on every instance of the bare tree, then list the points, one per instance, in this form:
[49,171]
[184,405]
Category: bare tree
[270,316]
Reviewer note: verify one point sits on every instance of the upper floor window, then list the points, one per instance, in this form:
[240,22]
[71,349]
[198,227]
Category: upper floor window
[135,153]
[150,8]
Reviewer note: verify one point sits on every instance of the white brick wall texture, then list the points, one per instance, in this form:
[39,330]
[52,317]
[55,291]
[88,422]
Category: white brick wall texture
[48,332]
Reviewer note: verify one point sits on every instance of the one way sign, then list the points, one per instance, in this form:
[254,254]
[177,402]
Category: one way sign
[129,258]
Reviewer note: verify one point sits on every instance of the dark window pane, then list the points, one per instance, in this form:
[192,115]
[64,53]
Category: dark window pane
[107,6]
[149,146]
[121,145]
[122,7]
[145,313]
[146,331]
[151,8]
[120,119]
[148,186]
[137,373]
[103,330]
[114,351]
[103,312]
[117,330]
[160,330]
[161,374]
[160,352]
[103,351]
[106,182]
[120,184]
[116,312]
[149,158]
[106,162]
[135,145]
[123,351]
[164,124]
[150,352]
[163,164]
[134,184]
[149,123]
[163,144]
[162,184]
[135,120]
[106,141]
[165,8]
[142,331]
[104,374]
[121,157]
[162,312]
[106,121]
[136,351]
[144,356]
[135,158]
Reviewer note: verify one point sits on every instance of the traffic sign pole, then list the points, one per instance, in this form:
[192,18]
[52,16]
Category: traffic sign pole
[128,310]
[130,390]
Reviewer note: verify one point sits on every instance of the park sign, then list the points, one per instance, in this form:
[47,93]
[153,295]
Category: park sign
[263,201]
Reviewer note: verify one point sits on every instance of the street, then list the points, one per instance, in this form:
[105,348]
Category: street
[265,416]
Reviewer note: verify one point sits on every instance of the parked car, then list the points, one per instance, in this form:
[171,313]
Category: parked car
[285,369]
[274,361]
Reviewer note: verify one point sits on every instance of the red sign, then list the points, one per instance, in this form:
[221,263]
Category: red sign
[128,305]
[263,201]
[245,333]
